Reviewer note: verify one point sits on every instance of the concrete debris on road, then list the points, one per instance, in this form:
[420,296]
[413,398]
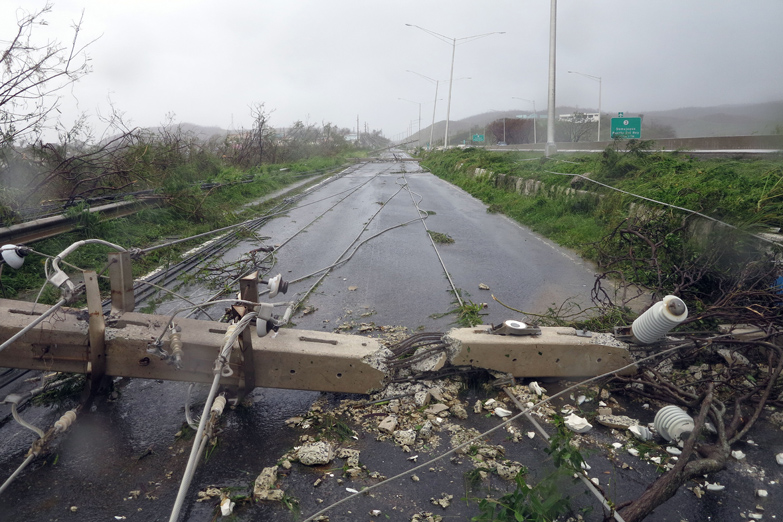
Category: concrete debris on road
[315,454]
[263,487]
[444,501]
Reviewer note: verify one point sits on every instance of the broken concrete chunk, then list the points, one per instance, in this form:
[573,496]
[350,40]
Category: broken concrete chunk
[405,437]
[458,410]
[507,472]
[444,501]
[618,422]
[262,487]
[315,454]
[426,431]
[388,424]
[436,409]
[351,456]
[478,407]
[422,398]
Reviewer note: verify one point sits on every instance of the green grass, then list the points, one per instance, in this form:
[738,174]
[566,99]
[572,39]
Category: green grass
[740,191]
[441,238]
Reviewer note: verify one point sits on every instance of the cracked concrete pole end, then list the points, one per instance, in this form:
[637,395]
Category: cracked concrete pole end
[557,352]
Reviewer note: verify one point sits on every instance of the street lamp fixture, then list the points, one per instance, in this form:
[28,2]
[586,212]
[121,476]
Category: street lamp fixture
[453,41]
[598,79]
[435,103]
[535,114]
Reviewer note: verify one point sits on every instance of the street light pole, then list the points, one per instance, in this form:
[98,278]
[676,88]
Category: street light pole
[535,114]
[453,41]
[419,104]
[551,147]
[598,79]
[435,103]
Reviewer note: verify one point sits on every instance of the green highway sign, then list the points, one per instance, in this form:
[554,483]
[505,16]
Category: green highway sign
[626,128]
[478,137]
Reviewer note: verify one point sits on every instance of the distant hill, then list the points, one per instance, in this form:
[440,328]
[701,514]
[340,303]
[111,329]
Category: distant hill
[687,122]
[723,120]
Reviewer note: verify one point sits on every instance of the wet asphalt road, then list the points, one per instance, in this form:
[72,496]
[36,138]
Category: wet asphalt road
[396,279]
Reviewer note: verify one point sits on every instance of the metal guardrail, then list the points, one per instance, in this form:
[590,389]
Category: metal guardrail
[43,228]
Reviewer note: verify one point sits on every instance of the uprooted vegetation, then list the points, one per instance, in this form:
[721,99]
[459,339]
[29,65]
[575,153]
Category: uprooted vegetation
[725,364]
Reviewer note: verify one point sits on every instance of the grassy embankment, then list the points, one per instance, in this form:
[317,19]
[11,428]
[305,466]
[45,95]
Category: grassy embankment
[187,210]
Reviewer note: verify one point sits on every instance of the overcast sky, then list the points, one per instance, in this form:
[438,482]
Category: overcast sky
[333,60]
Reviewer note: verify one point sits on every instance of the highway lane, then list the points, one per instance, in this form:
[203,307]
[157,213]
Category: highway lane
[397,276]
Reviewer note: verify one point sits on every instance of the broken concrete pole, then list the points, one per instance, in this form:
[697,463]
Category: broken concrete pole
[557,352]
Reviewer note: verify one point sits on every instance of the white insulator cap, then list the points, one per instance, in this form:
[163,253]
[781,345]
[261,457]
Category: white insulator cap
[664,315]
[218,404]
[65,421]
[12,255]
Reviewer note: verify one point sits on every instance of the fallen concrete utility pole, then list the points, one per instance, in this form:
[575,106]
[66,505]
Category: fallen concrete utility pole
[131,344]
[294,359]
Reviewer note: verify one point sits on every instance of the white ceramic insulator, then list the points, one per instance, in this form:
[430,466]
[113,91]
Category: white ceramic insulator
[9,255]
[672,422]
[65,421]
[218,405]
[664,315]
[176,344]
